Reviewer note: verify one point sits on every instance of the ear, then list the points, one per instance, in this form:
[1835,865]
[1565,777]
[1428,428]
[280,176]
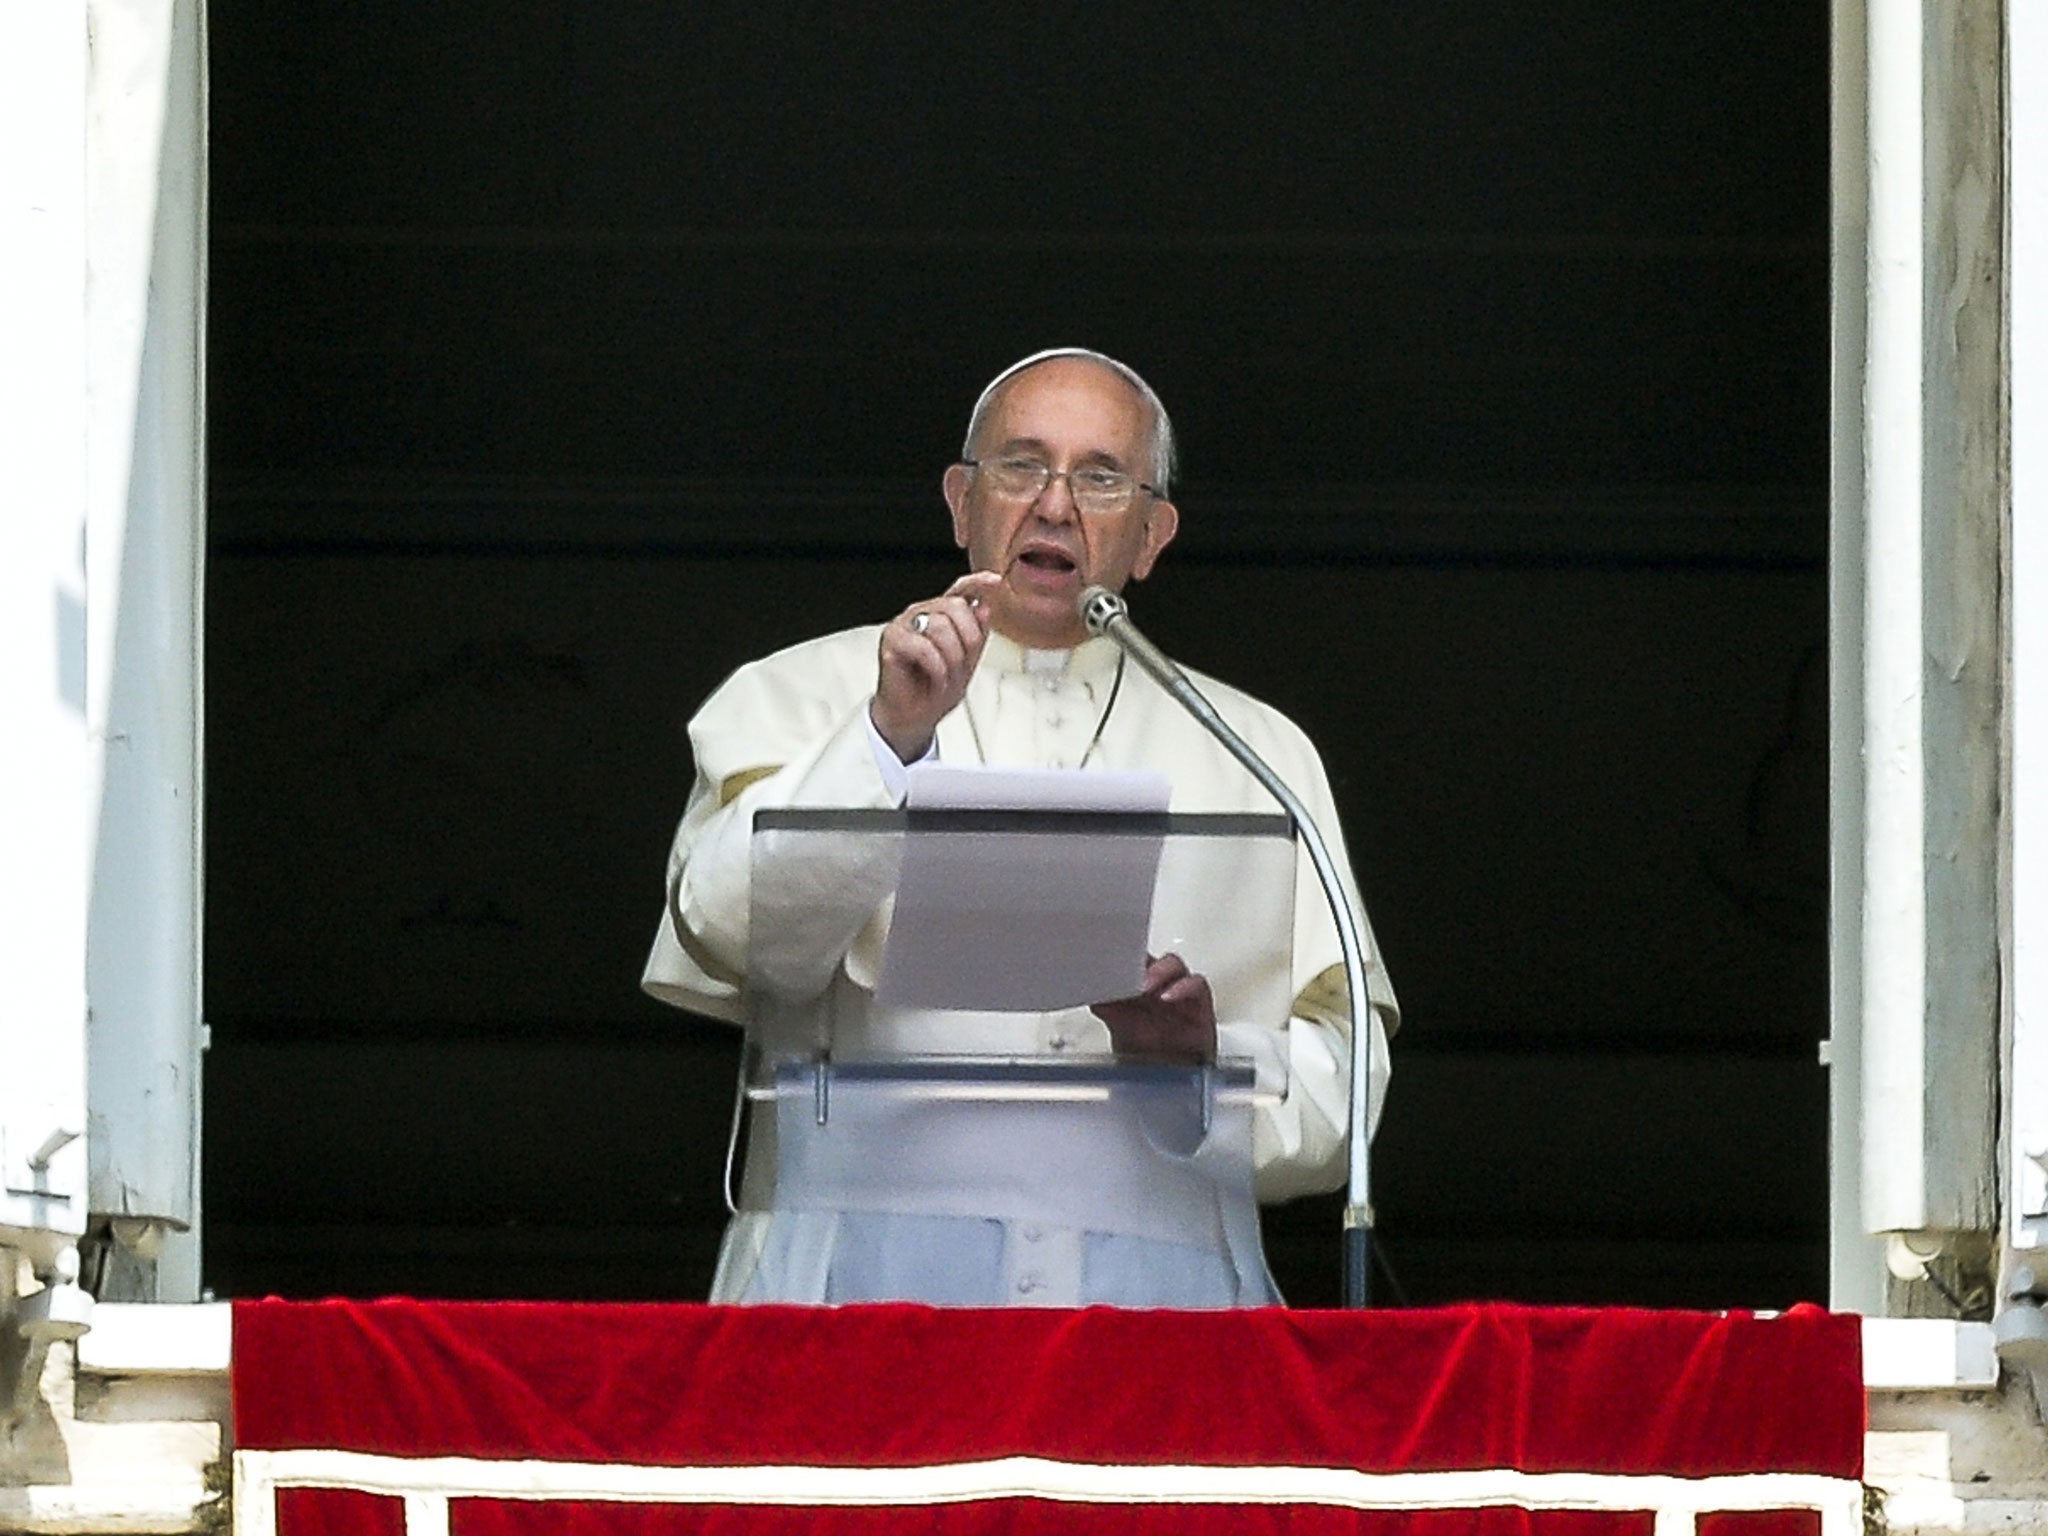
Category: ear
[954,486]
[1162,522]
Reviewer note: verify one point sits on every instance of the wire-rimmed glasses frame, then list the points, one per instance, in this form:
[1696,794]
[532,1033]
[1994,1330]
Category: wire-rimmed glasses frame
[1096,488]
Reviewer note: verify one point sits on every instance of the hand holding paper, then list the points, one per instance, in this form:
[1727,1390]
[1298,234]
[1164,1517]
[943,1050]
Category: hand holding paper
[1174,1016]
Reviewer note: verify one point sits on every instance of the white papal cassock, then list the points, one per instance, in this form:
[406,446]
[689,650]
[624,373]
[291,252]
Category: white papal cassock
[792,731]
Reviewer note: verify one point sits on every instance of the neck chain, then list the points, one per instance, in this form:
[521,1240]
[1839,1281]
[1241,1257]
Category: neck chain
[1115,687]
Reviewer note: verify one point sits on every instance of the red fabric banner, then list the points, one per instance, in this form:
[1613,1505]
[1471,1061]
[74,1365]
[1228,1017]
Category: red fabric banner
[1537,1391]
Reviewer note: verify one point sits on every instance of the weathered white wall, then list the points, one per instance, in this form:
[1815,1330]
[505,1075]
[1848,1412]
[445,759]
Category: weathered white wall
[145,147]
[2028,61]
[102,160]
[1919,518]
[45,759]
[1855,1260]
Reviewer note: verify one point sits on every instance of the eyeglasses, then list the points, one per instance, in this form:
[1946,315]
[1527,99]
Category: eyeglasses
[1094,488]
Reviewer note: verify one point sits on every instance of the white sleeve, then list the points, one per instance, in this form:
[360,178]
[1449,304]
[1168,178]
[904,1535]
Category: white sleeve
[1298,1142]
[894,771]
[790,731]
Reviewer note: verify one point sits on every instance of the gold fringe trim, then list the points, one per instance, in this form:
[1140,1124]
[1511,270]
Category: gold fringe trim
[739,783]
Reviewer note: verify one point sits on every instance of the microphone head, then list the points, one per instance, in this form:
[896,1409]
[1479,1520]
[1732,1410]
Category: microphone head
[1100,608]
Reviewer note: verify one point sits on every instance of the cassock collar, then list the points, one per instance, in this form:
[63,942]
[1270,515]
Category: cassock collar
[1093,661]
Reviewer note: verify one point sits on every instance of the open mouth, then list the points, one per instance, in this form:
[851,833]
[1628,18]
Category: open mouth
[1050,561]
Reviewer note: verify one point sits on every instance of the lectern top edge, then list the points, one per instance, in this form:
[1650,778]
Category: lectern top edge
[1135,823]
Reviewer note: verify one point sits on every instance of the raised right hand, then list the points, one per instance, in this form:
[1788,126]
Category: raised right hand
[927,654]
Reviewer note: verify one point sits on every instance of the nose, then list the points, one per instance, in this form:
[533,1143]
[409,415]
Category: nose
[1056,502]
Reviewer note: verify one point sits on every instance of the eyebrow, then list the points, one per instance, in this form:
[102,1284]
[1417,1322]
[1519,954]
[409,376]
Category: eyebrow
[1097,456]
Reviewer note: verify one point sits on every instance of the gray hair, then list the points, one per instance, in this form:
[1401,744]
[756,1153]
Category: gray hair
[1162,451]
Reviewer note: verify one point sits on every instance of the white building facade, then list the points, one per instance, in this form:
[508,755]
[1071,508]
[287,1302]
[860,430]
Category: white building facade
[114,1410]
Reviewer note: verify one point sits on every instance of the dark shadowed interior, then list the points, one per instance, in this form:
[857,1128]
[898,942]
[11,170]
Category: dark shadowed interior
[561,358]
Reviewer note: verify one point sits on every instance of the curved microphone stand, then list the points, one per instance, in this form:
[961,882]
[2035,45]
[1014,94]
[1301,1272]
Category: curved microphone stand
[1106,614]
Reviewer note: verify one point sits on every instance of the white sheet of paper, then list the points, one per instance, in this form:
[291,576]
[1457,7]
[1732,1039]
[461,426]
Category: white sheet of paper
[1022,921]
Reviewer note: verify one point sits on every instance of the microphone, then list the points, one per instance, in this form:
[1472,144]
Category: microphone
[1105,613]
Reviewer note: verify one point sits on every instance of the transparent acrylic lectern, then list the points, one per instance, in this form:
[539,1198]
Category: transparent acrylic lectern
[922,1058]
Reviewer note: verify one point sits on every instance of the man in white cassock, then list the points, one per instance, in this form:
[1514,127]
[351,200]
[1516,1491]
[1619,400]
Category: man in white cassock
[1062,484]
